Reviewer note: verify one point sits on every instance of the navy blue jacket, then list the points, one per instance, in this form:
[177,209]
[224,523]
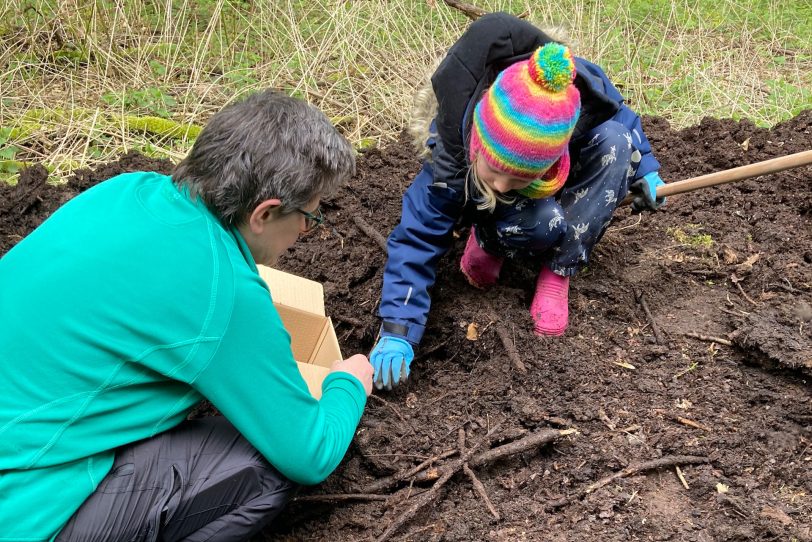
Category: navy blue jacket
[435,201]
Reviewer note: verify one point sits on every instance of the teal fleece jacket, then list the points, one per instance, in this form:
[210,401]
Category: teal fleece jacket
[124,309]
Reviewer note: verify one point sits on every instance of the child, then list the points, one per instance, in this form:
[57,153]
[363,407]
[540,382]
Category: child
[535,149]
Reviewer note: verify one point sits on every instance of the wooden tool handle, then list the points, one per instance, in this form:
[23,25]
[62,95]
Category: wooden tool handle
[731,175]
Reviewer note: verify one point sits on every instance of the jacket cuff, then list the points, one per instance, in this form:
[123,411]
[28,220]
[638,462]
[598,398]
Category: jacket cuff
[647,164]
[413,333]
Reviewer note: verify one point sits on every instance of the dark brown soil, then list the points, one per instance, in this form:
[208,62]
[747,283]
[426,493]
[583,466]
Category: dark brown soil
[746,405]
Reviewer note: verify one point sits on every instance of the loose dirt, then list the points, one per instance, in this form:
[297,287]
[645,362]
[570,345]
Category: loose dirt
[731,263]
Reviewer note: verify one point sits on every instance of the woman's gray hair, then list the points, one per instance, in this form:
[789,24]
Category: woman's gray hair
[266,146]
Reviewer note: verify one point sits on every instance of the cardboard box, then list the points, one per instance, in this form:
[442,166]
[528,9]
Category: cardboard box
[300,303]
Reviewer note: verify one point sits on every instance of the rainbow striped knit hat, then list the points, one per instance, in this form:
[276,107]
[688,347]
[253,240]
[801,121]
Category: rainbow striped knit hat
[523,123]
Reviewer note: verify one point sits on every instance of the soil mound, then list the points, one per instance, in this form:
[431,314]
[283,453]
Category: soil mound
[722,275]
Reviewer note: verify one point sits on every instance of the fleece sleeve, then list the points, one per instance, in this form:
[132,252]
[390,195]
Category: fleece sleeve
[254,381]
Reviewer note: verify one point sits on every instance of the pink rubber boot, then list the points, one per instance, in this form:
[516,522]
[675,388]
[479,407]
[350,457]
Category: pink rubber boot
[549,308]
[479,267]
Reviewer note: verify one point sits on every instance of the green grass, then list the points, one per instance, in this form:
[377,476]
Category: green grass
[101,64]
[692,237]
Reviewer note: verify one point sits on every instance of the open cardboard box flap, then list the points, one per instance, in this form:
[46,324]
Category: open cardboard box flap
[300,303]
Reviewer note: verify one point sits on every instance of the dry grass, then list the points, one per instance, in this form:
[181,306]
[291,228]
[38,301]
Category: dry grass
[80,79]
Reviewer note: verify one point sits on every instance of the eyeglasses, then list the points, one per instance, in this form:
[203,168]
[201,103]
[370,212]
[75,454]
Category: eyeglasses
[312,221]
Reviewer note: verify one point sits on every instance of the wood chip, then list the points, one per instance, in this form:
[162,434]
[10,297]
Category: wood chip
[681,477]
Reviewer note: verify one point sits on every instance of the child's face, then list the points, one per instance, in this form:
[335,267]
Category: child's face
[498,181]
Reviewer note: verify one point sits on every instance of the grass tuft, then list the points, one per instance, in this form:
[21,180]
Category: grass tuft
[84,80]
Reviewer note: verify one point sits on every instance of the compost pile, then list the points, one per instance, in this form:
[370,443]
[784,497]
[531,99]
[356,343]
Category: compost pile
[679,400]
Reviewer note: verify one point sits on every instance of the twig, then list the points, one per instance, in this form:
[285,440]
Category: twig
[437,399]
[747,297]
[512,353]
[641,298]
[738,506]
[667,461]
[391,481]
[478,486]
[691,423]
[341,497]
[739,314]
[481,490]
[422,500]
[371,232]
[347,320]
[471,11]
[683,421]
[395,410]
[425,498]
[467,458]
[422,472]
[681,477]
[708,338]
[518,446]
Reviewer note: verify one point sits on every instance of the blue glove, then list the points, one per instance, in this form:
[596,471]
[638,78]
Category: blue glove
[391,358]
[646,190]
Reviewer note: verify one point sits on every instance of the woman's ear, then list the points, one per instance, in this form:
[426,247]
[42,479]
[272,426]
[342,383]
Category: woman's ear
[262,214]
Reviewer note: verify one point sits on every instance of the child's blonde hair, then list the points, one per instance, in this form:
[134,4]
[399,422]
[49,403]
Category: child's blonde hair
[487,197]
[424,109]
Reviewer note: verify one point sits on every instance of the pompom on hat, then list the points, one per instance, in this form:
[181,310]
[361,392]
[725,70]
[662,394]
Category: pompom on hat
[523,123]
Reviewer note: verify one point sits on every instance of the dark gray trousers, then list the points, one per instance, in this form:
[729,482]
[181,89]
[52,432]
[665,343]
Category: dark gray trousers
[199,481]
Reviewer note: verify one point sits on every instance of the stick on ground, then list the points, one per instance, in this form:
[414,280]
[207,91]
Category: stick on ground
[371,232]
[394,409]
[471,11]
[513,354]
[425,498]
[709,338]
[348,320]
[341,497]
[391,481]
[521,445]
[478,485]
[668,461]
[641,298]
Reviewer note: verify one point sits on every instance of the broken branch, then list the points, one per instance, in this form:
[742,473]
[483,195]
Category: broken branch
[472,460]
[709,338]
[478,486]
[371,232]
[683,421]
[669,461]
[747,297]
[341,497]
[391,481]
[641,298]
[512,353]
[425,498]
[348,320]
[423,472]
[681,477]
[470,10]
[393,409]
[518,446]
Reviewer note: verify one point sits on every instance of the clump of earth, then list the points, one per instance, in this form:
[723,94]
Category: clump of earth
[724,276]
